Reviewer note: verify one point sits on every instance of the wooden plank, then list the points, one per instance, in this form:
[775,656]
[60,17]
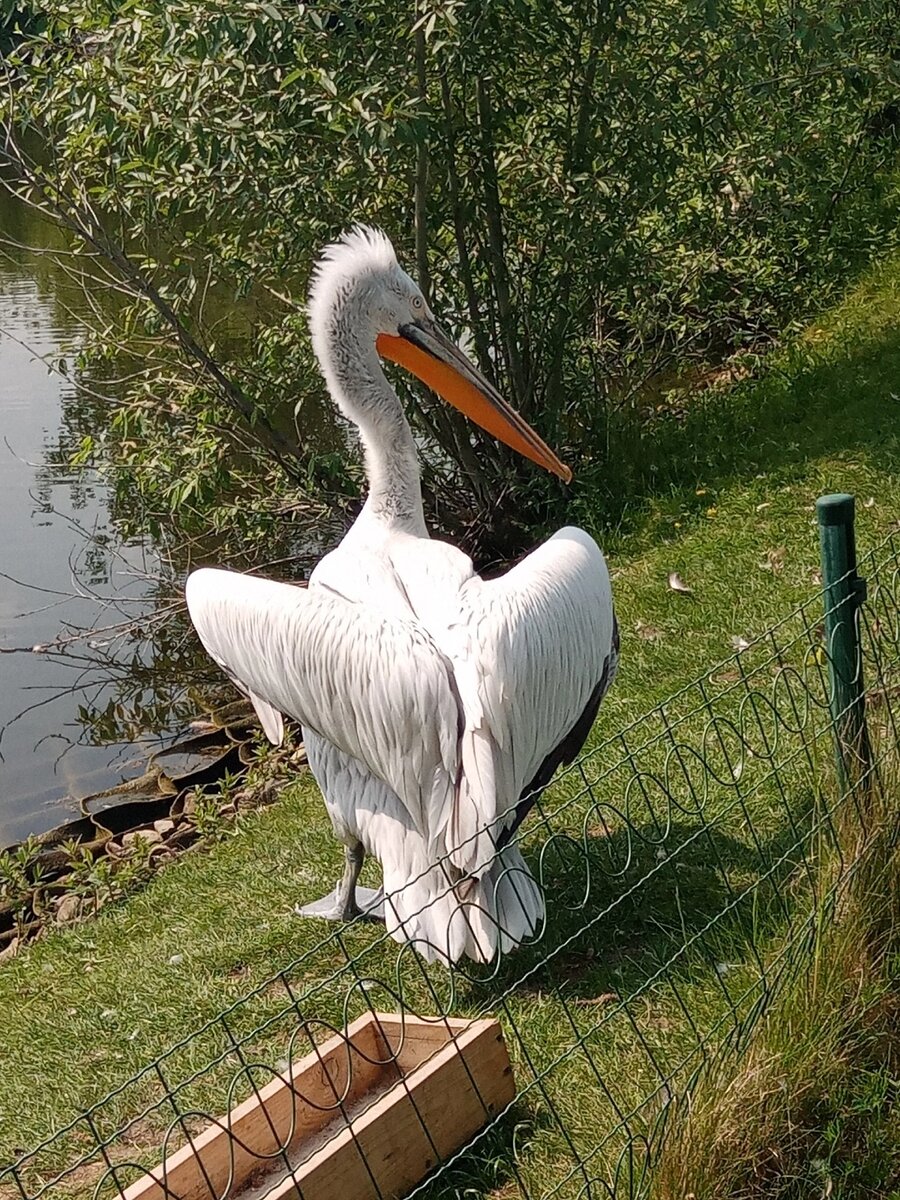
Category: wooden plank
[395,1137]
[319,1077]
[413,1040]
[387,1149]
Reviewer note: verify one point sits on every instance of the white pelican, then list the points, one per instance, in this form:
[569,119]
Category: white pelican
[435,704]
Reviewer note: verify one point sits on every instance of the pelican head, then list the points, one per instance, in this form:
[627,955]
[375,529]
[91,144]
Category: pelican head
[362,298]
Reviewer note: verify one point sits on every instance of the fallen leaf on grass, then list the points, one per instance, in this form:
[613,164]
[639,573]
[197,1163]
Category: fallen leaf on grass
[765,504]
[677,584]
[774,561]
[648,633]
[739,643]
[599,831]
[870,503]
[725,677]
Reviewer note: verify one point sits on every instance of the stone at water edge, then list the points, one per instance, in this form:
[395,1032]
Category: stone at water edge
[10,951]
[131,839]
[68,909]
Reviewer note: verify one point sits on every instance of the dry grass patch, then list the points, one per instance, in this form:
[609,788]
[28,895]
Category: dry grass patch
[810,1107]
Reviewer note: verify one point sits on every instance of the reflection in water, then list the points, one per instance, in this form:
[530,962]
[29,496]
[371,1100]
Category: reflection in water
[62,568]
[82,716]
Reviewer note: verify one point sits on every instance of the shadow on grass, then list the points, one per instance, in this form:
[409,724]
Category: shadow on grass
[723,896]
[719,895]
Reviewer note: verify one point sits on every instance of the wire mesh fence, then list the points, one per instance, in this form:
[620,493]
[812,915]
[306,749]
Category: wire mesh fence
[681,865]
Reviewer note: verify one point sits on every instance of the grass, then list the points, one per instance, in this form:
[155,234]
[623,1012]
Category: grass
[86,1007]
[810,1106]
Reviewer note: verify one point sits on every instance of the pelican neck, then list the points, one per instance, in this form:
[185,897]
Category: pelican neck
[363,393]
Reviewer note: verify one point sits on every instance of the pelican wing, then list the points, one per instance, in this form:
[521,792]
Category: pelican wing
[376,687]
[533,652]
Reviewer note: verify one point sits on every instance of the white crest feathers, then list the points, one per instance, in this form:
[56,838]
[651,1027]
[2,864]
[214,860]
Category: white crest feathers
[363,249]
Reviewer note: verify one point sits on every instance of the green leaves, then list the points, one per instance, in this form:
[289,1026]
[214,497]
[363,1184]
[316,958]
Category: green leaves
[647,184]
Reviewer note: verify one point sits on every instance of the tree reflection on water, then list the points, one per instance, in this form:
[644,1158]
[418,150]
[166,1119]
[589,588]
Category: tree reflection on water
[87,574]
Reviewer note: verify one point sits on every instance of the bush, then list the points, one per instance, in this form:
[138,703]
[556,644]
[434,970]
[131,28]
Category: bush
[597,194]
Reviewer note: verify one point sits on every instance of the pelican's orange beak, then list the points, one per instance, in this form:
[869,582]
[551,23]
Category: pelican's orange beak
[433,358]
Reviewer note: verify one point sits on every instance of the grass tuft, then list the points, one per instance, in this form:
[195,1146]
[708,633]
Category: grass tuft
[810,1106]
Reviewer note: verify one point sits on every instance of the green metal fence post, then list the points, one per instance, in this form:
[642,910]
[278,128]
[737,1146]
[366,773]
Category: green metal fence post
[844,593]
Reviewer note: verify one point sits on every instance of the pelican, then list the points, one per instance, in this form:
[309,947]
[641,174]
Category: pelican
[435,705]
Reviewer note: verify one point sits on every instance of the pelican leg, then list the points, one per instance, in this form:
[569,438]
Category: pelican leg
[347,901]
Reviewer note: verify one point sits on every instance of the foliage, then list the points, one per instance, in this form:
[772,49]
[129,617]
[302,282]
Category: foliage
[102,880]
[596,194]
[17,21]
[20,873]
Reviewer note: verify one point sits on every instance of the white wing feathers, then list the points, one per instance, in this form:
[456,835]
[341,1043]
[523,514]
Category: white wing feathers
[270,719]
[528,650]
[456,707]
[377,688]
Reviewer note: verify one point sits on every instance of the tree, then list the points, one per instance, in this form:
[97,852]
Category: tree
[601,192]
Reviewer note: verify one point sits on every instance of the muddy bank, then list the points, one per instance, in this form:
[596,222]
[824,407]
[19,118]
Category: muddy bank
[191,792]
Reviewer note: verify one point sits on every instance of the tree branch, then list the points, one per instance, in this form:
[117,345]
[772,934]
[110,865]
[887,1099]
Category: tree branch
[495,242]
[459,230]
[77,215]
[421,196]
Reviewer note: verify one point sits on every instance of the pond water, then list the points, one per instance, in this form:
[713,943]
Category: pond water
[63,568]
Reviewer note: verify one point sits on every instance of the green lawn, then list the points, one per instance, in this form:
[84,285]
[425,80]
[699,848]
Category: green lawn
[83,1009]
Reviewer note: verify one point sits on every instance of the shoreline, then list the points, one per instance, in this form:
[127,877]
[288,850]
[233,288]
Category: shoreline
[222,769]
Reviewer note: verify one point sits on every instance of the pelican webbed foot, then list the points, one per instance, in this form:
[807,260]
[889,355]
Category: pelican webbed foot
[347,902]
[366,904]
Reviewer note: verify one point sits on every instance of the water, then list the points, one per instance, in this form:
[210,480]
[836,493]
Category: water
[64,569]
[122,674]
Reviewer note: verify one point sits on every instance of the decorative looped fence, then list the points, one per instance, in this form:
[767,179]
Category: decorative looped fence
[680,861]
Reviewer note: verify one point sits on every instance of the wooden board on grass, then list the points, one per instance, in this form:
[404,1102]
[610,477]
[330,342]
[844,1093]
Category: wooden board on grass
[366,1114]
